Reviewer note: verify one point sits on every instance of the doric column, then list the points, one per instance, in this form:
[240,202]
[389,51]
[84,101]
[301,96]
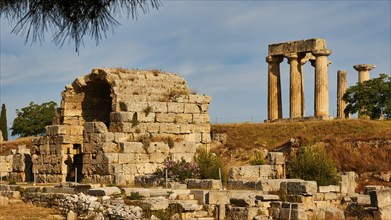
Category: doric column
[363,71]
[295,86]
[321,83]
[341,89]
[274,87]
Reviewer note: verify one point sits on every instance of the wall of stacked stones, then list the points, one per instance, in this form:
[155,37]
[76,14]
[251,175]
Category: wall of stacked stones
[146,117]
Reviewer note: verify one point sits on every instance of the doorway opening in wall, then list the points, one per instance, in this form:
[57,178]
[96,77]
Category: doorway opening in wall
[74,164]
[97,102]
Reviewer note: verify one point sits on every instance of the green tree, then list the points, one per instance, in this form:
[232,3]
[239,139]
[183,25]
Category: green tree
[70,19]
[371,98]
[313,163]
[31,120]
[3,123]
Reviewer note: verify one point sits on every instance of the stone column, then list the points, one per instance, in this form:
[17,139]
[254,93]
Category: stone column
[341,89]
[295,87]
[363,71]
[321,83]
[274,106]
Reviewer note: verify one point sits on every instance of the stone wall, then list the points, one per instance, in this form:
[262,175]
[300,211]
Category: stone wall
[17,165]
[115,124]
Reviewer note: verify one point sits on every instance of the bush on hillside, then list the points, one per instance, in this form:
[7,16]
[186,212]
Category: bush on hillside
[313,163]
[258,159]
[210,164]
[179,170]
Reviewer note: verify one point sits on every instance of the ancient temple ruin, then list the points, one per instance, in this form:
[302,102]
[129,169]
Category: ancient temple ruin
[115,124]
[298,53]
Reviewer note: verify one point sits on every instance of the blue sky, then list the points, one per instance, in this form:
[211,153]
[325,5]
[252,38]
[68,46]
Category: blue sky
[219,47]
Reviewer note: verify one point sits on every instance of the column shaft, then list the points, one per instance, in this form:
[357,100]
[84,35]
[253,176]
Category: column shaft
[274,88]
[295,87]
[321,84]
[341,89]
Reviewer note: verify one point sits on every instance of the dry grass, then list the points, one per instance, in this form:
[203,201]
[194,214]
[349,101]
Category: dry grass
[23,211]
[244,140]
[6,146]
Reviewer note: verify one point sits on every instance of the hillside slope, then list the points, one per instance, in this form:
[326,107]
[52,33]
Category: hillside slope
[363,146]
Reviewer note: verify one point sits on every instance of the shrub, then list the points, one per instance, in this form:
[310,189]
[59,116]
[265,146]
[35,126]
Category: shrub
[180,170]
[258,159]
[313,163]
[209,164]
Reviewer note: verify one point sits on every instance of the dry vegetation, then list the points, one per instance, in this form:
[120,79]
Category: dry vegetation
[23,211]
[6,146]
[347,141]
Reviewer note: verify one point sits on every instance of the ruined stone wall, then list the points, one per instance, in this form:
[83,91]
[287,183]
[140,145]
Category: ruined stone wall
[116,123]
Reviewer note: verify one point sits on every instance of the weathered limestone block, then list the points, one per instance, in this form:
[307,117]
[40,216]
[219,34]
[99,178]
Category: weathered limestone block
[104,191]
[203,184]
[146,118]
[132,147]
[364,200]
[184,147]
[201,119]
[169,128]
[192,108]
[159,107]
[292,211]
[328,213]
[218,197]
[185,129]
[175,107]
[53,130]
[199,99]
[381,198]
[184,118]
[299,187]
[95,127]
[252,172]
[132,158]
[158,147]
[348,183]
[165,117]
[186,156]
[6,163]
[329,188]
[155,203]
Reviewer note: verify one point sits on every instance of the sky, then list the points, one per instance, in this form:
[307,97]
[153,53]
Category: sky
[219,47]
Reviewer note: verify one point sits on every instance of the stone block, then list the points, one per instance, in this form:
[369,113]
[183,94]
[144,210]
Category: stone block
[185,128]
[184,118]
[111,158]
[53,130]
[381,198]
[184,147]
[159,107]
[331,196]
[158,157]
[137,191]
[132,158]
[199,99]
[329,188]
[348,183]
[203,184]
[158,147]
[146,118]
[104,191]
[299,187]
[175,107]
[153,128]
[110,147]
[192,109]
[165,117]
[169,128]
[364,200]
[132,147]
[154,203]
[292,211]
[201,119]
[75,130]
[252,172]
[186,156]
[328,213]
[218,197]
[95,127]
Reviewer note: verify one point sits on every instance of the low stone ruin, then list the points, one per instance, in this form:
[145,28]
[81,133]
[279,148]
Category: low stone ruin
[115,124]
[17,166]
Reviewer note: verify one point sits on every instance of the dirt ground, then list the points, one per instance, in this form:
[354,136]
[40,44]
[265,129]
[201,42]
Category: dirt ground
[23,211]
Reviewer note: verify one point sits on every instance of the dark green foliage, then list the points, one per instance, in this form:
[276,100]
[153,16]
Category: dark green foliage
[3,123]
[209,164]
[371,98]
[313,163]
[32,120]
[70,19]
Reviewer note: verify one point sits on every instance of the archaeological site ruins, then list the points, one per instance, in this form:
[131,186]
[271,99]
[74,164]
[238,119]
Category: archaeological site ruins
[114,124]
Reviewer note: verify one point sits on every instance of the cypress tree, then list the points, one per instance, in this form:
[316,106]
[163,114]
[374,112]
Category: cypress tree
[3,122]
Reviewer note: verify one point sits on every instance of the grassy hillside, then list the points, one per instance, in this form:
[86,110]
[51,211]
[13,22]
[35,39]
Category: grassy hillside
[355,145]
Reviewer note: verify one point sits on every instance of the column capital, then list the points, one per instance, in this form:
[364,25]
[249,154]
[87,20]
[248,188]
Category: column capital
[274,59]
[321,52]
[364,67]
[341,71]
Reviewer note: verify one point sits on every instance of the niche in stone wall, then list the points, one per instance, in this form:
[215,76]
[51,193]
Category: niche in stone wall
[97,102]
